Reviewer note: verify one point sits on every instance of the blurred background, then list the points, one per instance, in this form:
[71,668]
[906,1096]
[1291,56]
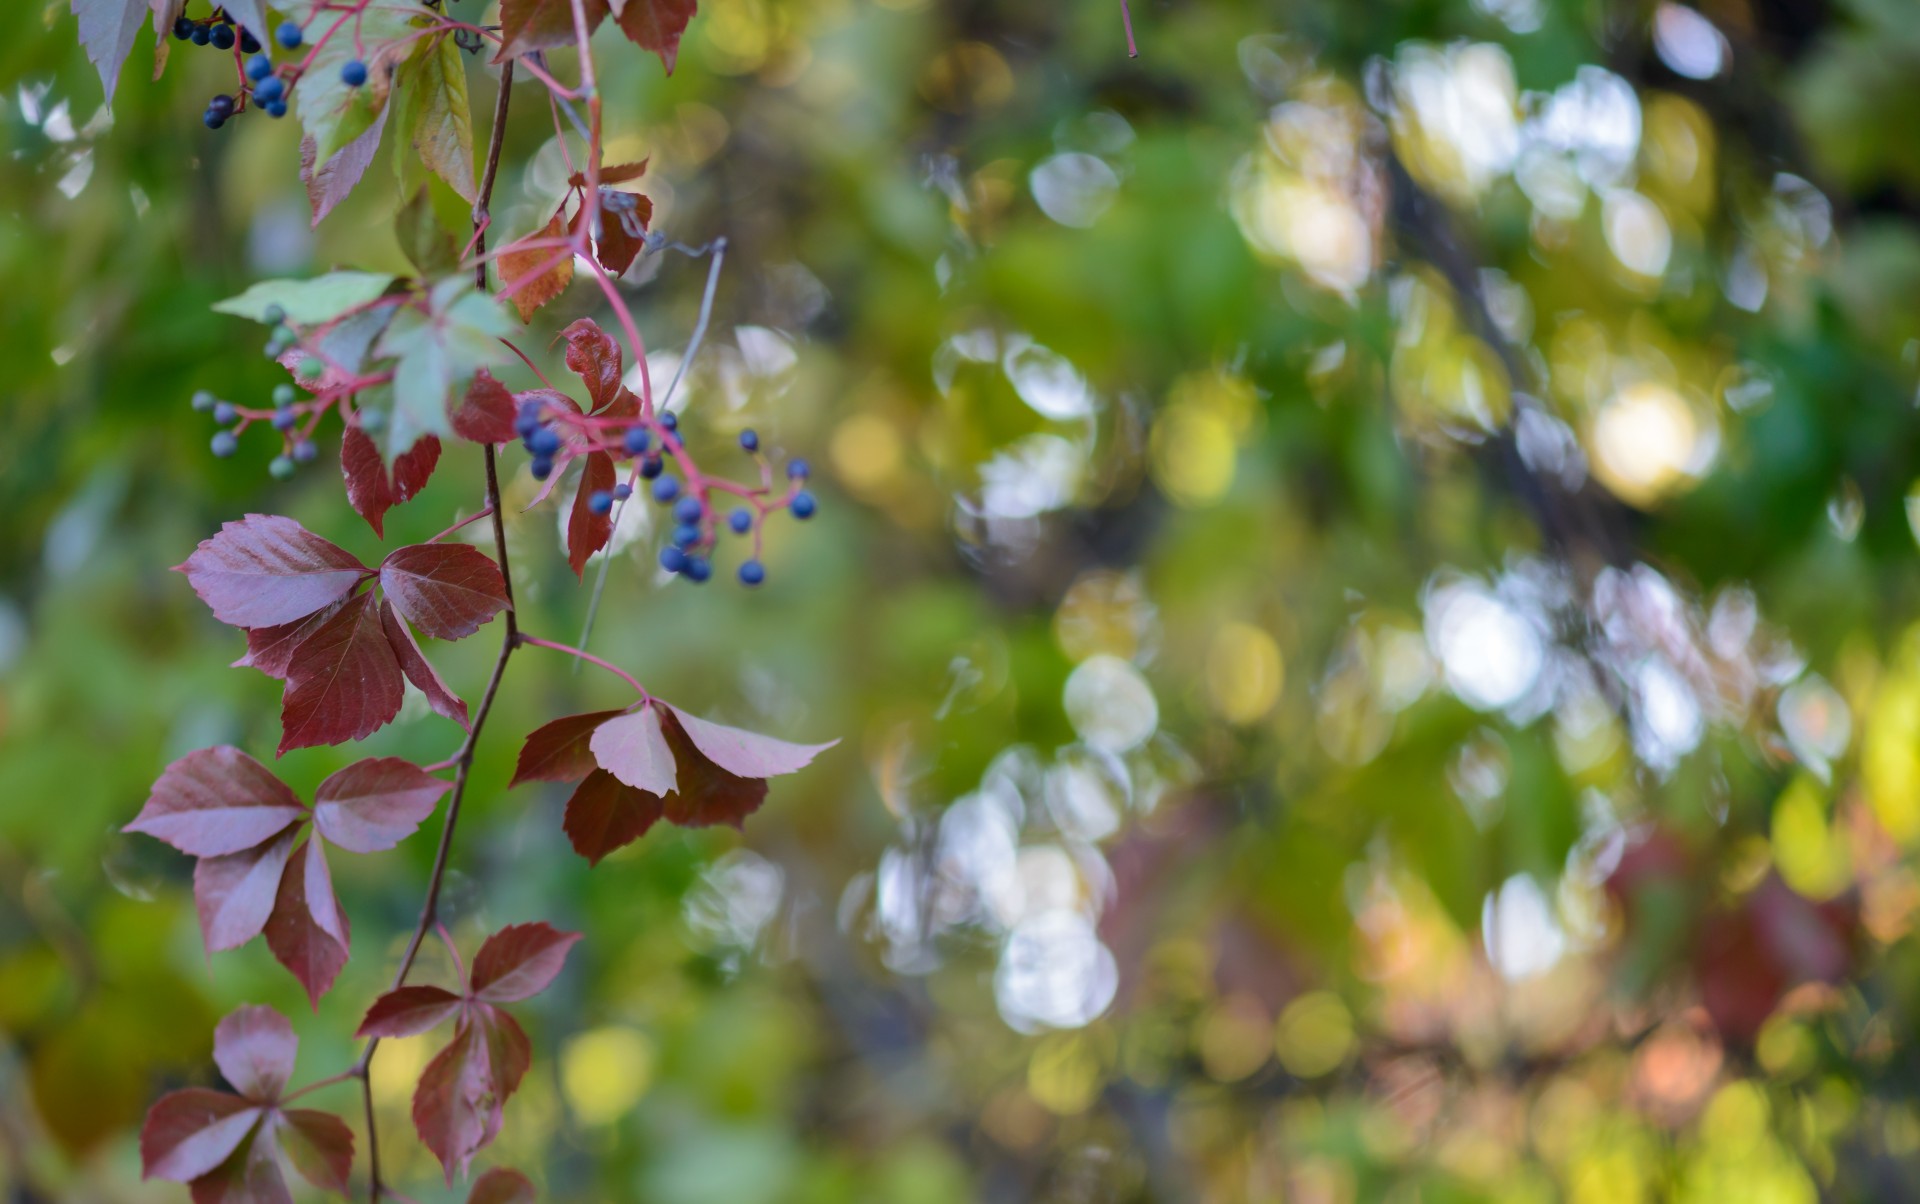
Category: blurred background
[1366,580]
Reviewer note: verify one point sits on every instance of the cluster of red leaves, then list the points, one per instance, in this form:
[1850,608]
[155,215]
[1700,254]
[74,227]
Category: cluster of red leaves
[457,1103]
[534,272]
[655,25]
[637,767]
[343,654]
[255,874]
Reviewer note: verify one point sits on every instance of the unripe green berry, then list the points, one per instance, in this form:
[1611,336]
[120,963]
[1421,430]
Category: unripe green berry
[283,396]
[281,468]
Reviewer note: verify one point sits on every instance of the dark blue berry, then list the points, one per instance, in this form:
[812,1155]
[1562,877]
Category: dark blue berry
[288,34]
[544,442]
[225,443]
[224,413]
[275,108]
[741,521]
[666,489]
[672,559]
[542,468]
[222,37]
[306,451]
[281,468]
[600,501]
[354,73]
[637,440]
[248,43]
[803,504]
[622,492]
[670,422]
[686,535]
[798,469]
[203,400]
[698,570]
[285,420]
[751,573]
[651,467]
[183,28]
[749,441]
[269,90]
[200,36]
[259,67]
[221,104]
[213,121]
[689,509]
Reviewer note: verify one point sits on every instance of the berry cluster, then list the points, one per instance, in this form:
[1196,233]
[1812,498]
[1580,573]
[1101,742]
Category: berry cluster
[266,86]
[297,448]
[217,30]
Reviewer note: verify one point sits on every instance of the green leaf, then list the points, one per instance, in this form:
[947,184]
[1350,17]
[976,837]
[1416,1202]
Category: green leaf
[439,350]
[433,115]
[307,301]
[107,28]
[425,239]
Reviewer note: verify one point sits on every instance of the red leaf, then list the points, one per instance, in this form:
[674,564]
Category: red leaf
[373,488]
[418,669]
[533,276]
[595,358]
[519,961]
[234,894]
[409,1011]
[217,801]
[656,25]
[302,930]
[559,751]
[707,793]
[612,173]
[266,570]
[541,25]
[320,1146]
[588,532]
[502,1186]
[374,804]
[632,748]
[456,1106]
[330,183]
[605,814]
[271,649]
[486,414]
[509,1053]
[344,681]
[748,754]
[188,1133]
[447,589]
[250,1175]
[254,1048]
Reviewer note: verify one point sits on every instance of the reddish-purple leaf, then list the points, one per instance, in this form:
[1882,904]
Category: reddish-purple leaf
[447,589]
[254,1048]
[541,24]
[519,961]
[295,932]
[320,1145]
[509,1053]
[188,1133]
[250,1175]
[588,532]
[373,488]
[344,681]
[266,570]
[409,1011]
[329,183]
[605,814]
[618,245]
[708,794]
[418,669]
[560,751]
[216,801]
[656,25]
[613,173]
[271,649]
[632,748]
[486,414]
[502,1185]
[595,358]
[456,1105]
[374,804]
[747,754]
[234,894]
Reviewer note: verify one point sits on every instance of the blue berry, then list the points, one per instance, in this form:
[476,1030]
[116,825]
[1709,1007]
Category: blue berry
[622,492]
[600,501]
[670,421]
[213,120]
[306,451]
[527,421]
[203,400]
[542,468]
[637,440]
[285,420]
[288,35]
[248,43]
[224,413]
[751,573]
[544,442]
[221,104]
[281,468]
[798,469]
[741,521]
[689,509]
[183,28]
[269,90]
[666,489]
[698,570]
[749,441]
[275,108]
[686,535]
[353,73]
[222,37]
[200,36]
[259,67]
[672,559]
[651,467]
[225,443]
[803,504]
